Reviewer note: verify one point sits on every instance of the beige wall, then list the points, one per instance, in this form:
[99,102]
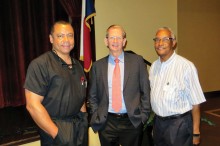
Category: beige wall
[195,23]
[140,19]
[35,143]
[199,38]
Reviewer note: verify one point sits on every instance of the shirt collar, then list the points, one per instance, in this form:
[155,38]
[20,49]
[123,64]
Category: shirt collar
[120,57]
[60,59]
[172,57]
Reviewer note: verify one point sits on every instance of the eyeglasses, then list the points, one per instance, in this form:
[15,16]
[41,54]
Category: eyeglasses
[112,38]
[164,39]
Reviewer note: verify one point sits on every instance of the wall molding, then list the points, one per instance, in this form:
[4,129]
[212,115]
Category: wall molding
[212,94]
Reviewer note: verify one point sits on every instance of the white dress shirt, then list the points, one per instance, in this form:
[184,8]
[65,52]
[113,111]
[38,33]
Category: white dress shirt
[175,86]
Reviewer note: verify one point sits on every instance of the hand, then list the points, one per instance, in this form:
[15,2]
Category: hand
[196,140]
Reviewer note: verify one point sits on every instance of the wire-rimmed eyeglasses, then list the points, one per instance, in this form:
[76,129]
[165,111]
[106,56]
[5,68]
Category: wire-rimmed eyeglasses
[164,39]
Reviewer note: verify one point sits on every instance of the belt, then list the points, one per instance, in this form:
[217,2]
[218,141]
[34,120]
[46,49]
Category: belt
[118,115]
[174,116]
[67,118]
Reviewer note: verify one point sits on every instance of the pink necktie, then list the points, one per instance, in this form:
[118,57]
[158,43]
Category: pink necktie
[116,88]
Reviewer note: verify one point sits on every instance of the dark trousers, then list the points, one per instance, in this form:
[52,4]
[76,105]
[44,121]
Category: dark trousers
[173,132]
[72,131]
[120,131]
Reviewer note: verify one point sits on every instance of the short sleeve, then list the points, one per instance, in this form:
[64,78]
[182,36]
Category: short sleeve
[195,89]
[36,78]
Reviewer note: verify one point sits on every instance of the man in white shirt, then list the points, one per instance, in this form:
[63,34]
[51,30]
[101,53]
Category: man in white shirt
[176,94]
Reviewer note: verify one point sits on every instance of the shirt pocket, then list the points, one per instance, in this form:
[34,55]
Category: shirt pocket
[173,91]
[169,89]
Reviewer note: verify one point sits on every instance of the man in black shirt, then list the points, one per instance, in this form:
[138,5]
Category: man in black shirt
[55,89]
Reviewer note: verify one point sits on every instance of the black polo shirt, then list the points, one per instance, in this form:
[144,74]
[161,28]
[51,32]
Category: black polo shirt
[64,89]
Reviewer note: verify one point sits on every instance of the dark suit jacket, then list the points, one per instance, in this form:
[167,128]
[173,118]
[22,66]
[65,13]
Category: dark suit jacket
[136,91]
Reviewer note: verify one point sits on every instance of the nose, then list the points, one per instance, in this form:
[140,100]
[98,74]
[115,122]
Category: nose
[115,39]
[65,38]
[160,42]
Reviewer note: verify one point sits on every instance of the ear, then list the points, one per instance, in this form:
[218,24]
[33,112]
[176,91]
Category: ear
[174,44]
[124,41]
[51,39]
[106,41]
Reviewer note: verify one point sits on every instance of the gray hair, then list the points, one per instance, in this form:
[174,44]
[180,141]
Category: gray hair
[168,29]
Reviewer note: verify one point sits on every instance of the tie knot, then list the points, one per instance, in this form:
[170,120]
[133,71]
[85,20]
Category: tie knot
[116,60]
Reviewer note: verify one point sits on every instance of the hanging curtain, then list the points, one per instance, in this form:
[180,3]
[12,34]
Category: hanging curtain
[25,27]
[73,9]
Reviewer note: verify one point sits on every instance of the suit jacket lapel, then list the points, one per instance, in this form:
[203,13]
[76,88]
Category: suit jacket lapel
[105,74]
[126,68]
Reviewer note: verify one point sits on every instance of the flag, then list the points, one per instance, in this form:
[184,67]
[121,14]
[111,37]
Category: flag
[88,11]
